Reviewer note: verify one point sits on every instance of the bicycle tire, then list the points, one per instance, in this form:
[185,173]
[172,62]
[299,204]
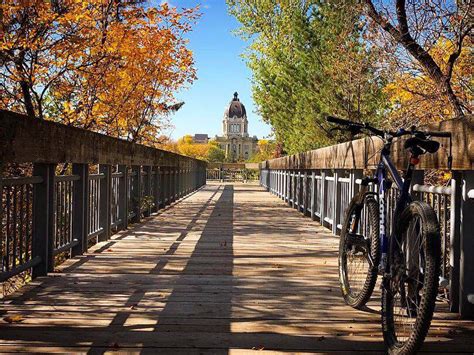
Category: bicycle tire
[358,295]
[425,261]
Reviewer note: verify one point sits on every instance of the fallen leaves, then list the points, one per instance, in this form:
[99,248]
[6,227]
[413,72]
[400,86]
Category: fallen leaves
[16,318]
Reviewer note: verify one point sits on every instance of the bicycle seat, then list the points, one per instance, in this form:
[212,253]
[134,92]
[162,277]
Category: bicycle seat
[426,145]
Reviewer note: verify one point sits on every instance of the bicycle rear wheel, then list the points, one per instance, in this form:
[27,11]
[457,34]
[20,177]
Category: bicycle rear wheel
[359,251]
[409,290]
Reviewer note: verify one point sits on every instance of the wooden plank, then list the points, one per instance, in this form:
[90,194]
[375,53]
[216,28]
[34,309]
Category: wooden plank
[229,269]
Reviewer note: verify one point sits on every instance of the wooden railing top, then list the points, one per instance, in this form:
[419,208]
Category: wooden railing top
[362,153]
[28,140]
[233,166]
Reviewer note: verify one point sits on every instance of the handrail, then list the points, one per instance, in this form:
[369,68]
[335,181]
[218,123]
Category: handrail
[362,153]
[321,183]
[112,183]
[28,140]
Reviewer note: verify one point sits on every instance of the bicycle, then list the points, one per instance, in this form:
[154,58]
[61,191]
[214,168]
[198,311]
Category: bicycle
[406,252]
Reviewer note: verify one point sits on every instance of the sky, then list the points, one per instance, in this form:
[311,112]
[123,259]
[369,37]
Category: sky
[221,71]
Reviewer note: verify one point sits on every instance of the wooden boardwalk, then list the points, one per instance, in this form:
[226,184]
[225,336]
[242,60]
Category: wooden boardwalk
[227,269]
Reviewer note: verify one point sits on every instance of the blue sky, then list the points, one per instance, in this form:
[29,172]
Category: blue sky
[220,70]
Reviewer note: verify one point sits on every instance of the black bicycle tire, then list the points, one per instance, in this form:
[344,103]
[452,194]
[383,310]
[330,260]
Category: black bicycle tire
[432,257]
[359,300]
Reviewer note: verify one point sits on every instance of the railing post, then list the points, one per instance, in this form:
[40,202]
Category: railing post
[175,183]
[147,187]
[157,188]
[136,193]
[123,195]
[454,240]
[313,195]
[293,189]
[171,185]
[355,174]
[466,265]
[162,187]
[337,202]
[167,185]
[80,207]
[305,193]
[322,207]
[105,200]
[43,219]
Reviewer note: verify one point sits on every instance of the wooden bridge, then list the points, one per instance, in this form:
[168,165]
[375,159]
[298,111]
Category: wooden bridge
[217,268]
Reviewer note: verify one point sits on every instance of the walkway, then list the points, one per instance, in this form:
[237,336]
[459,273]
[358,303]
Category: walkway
[229,268]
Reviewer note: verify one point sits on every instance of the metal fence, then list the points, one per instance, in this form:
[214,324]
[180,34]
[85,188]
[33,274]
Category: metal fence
[109,184]
[325,194]
[243,175]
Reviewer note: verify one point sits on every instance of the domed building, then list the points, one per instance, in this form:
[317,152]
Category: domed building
[235,139]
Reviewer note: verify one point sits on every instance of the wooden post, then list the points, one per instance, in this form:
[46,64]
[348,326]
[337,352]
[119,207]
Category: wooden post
[136,193]
[43,219]
[466,264]
[80,208]
[105,201]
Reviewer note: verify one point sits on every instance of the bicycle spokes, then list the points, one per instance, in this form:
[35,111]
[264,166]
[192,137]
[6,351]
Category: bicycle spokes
[407,279]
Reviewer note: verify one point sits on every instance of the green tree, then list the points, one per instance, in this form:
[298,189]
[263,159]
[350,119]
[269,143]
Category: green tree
[308,58]
[215,154]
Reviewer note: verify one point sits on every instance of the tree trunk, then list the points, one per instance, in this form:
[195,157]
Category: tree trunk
[30,110]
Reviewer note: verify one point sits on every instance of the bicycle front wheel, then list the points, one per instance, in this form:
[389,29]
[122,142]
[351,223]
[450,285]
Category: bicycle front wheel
[410,288]
[359,251]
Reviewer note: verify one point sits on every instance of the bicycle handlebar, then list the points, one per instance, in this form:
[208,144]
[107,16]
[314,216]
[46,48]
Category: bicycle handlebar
[378,132]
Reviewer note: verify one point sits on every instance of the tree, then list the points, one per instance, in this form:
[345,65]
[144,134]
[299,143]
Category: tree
[215,154]
[418,26]
[265,150]
[414,97]
[111,66]
[308,59]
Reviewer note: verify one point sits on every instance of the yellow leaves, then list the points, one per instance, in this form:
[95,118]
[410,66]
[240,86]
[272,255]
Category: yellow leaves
[15,318]
[415,97]
[111,69]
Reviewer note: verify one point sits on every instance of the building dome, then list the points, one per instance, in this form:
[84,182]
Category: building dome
[236,108]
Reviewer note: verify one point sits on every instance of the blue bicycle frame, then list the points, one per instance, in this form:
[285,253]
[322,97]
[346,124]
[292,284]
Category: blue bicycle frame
[386,165]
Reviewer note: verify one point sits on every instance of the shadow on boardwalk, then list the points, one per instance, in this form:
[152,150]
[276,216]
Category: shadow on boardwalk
[229,268]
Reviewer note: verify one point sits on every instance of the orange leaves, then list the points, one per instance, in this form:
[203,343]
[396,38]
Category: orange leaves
[415,97]
[101,64]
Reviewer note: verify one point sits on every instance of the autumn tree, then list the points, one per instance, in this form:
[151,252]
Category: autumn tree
[429,42]
[266,150]
[308,58]
[107,65]
[205,151]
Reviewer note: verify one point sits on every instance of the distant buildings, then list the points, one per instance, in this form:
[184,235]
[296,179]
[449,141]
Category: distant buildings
[235,140]
[201,138]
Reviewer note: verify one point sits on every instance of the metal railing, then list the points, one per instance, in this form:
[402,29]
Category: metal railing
[321,184]
[44,215]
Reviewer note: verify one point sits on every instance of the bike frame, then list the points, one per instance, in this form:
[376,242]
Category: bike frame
[386,166]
